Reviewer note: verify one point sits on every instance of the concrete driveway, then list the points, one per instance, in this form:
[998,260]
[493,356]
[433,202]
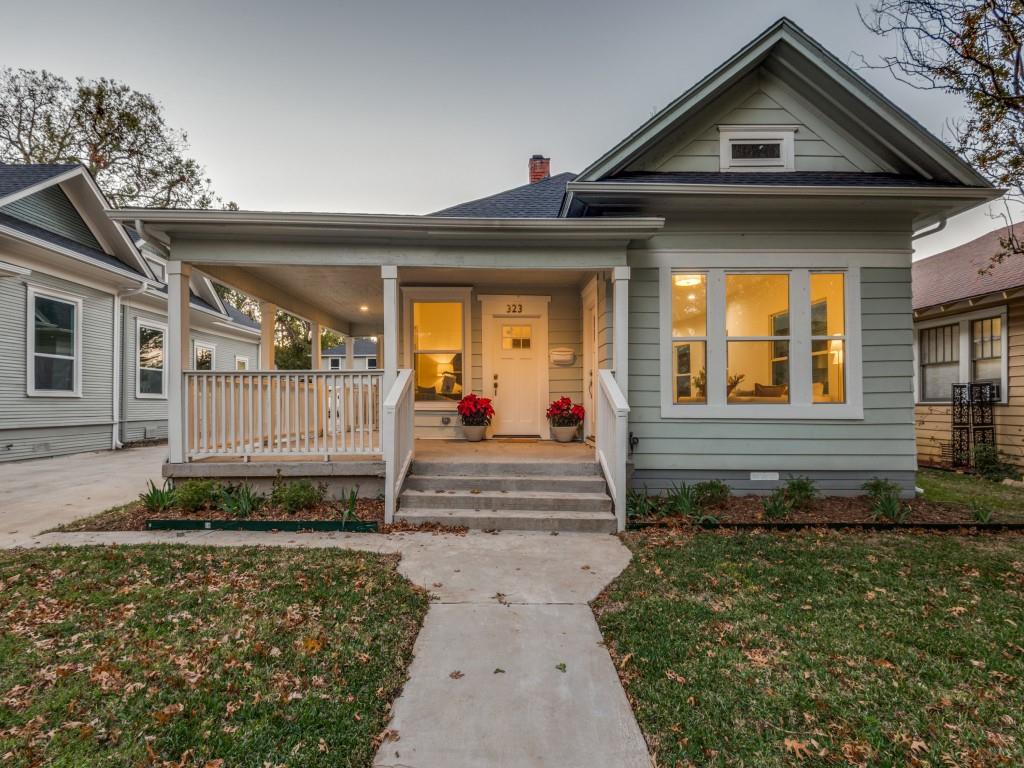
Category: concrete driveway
[42,493]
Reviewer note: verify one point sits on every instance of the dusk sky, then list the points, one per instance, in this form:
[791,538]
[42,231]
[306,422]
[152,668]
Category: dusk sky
[387,106]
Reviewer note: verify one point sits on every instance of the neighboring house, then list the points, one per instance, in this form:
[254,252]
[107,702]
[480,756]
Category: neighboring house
[727,291]
[968,327]
[83,319]
[364,356]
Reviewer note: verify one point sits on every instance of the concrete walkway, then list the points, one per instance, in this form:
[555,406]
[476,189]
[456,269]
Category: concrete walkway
[509,670]
[39,494]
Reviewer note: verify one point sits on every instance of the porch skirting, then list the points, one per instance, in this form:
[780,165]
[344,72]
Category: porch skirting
[828,482]
[337,476]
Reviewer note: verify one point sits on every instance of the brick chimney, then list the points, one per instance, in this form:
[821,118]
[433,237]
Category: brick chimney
[540,168]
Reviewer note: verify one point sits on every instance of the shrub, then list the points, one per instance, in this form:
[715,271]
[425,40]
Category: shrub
[683,500]
[777,505]
[297,495]
[712,493]
[194,495]
[992,465]
[876,488]
[800,491]
[982,514]
[639,504]
[157,500]
[241,500]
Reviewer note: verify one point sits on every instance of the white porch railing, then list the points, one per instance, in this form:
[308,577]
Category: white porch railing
[399,441]
[613,440]
[281,413]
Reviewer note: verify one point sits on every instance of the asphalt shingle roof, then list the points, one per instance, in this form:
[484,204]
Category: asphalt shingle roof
[238,316]
[14,178]
[967,271]
[782,178]
[363,348]
[64,242]
[540,200]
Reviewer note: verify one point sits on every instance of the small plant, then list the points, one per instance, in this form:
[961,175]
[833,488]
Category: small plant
[889,507]
[712,493]
[683,500]
[563,412]
[707,521]
[992,465]
[349,502]
[876,488]
[777,505]
[475,411]
[639,504]
[241,500]
[982,514]
[801,492]
[297,495]
[195,495]
[157,500]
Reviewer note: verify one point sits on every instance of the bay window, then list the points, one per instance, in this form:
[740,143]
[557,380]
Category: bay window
[959,350]
[149,361]
[54,344]
[764,343]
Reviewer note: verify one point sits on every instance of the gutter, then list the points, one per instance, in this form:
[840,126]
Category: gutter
[941,225]
[151,241]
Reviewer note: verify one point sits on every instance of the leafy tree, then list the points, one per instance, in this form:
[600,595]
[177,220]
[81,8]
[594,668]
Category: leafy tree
[118,133]
[971,48]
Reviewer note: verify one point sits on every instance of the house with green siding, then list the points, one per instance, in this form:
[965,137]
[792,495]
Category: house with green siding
[726,292]
[83,321]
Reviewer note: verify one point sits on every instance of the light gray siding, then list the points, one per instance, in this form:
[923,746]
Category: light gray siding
[45,426]
[51,210]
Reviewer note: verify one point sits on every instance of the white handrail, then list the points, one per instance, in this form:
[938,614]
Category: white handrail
[613,440]
[249,414]
[399,443]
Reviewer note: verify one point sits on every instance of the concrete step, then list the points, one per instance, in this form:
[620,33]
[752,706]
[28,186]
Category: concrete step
[511,519]
[561,484]
[503,500]
[533,468]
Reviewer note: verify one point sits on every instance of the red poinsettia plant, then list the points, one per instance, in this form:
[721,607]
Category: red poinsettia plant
[475,411]
[563,412]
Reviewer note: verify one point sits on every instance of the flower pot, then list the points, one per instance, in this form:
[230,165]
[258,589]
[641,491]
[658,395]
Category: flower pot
[474,433]
[564,434]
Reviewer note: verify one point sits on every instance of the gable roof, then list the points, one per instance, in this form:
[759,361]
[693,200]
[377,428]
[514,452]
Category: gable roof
[17,178]
[823,78]
[540,200]
[66,243]
[967,271]
[238,316]
[363,348]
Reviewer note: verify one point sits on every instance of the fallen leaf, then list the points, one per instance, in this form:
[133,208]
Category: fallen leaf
[499,671]
[796,748]
[561,667]
[456,675]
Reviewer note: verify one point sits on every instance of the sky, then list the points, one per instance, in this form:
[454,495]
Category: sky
[405,106]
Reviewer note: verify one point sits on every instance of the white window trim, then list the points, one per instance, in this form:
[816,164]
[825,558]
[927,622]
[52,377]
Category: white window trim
[439,294]
[964,321]
[141,323]
[800,405]
[30,345]
[334,363]
[196,346]
[242,357]
[746,134]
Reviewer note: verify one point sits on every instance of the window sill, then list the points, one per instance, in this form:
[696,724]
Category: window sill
[47,393]
[738,411]
[140,396]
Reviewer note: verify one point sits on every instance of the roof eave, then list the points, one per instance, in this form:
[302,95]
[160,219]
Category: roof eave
[799,190]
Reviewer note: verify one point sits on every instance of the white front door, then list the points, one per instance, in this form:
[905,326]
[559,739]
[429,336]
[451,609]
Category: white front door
[589,301]
[515,368]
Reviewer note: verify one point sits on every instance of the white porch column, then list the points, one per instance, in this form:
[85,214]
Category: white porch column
[316,332]
[389,274]
[268,323]
[179,358]
[620,327]
[350,353]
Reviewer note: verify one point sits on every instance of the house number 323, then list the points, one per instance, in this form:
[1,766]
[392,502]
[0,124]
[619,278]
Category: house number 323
[514,309]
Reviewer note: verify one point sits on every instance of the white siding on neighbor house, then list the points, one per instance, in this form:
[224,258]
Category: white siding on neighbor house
[839,454]
[47,426]
[146,418]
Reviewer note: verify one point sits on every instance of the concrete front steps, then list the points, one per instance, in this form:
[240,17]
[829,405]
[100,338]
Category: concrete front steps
[509,496]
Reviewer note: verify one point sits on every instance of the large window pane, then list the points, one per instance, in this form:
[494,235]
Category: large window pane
[437,325]
[54,326]
[758,371]
[987,349]
[828,371]
[54,374]
[151,361]
[827,310]
[689,305]
[939,351]
[151,382]
[438,376]
[688,359]
[938,380]
[757,305]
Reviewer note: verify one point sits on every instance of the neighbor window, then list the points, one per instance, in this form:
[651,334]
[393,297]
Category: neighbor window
[437,349]
[54,344]
[940,361]
[150,362]
[203,357]
[986,349]
[758,331]
[970,348]
[756,148]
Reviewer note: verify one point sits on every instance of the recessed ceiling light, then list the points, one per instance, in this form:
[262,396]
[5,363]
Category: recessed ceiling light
[364,308]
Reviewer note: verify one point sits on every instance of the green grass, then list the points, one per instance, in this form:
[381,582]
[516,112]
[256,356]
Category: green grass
[814,650]
[164,655]
[1005,501]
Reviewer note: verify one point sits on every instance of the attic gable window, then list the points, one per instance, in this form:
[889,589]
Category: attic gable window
[756,147]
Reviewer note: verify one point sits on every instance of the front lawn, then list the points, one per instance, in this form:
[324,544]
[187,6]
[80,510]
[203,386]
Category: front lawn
[755,649]
[946,487]
[200,658]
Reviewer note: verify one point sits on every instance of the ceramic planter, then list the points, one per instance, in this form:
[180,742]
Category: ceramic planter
[564,434]
[474,434]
